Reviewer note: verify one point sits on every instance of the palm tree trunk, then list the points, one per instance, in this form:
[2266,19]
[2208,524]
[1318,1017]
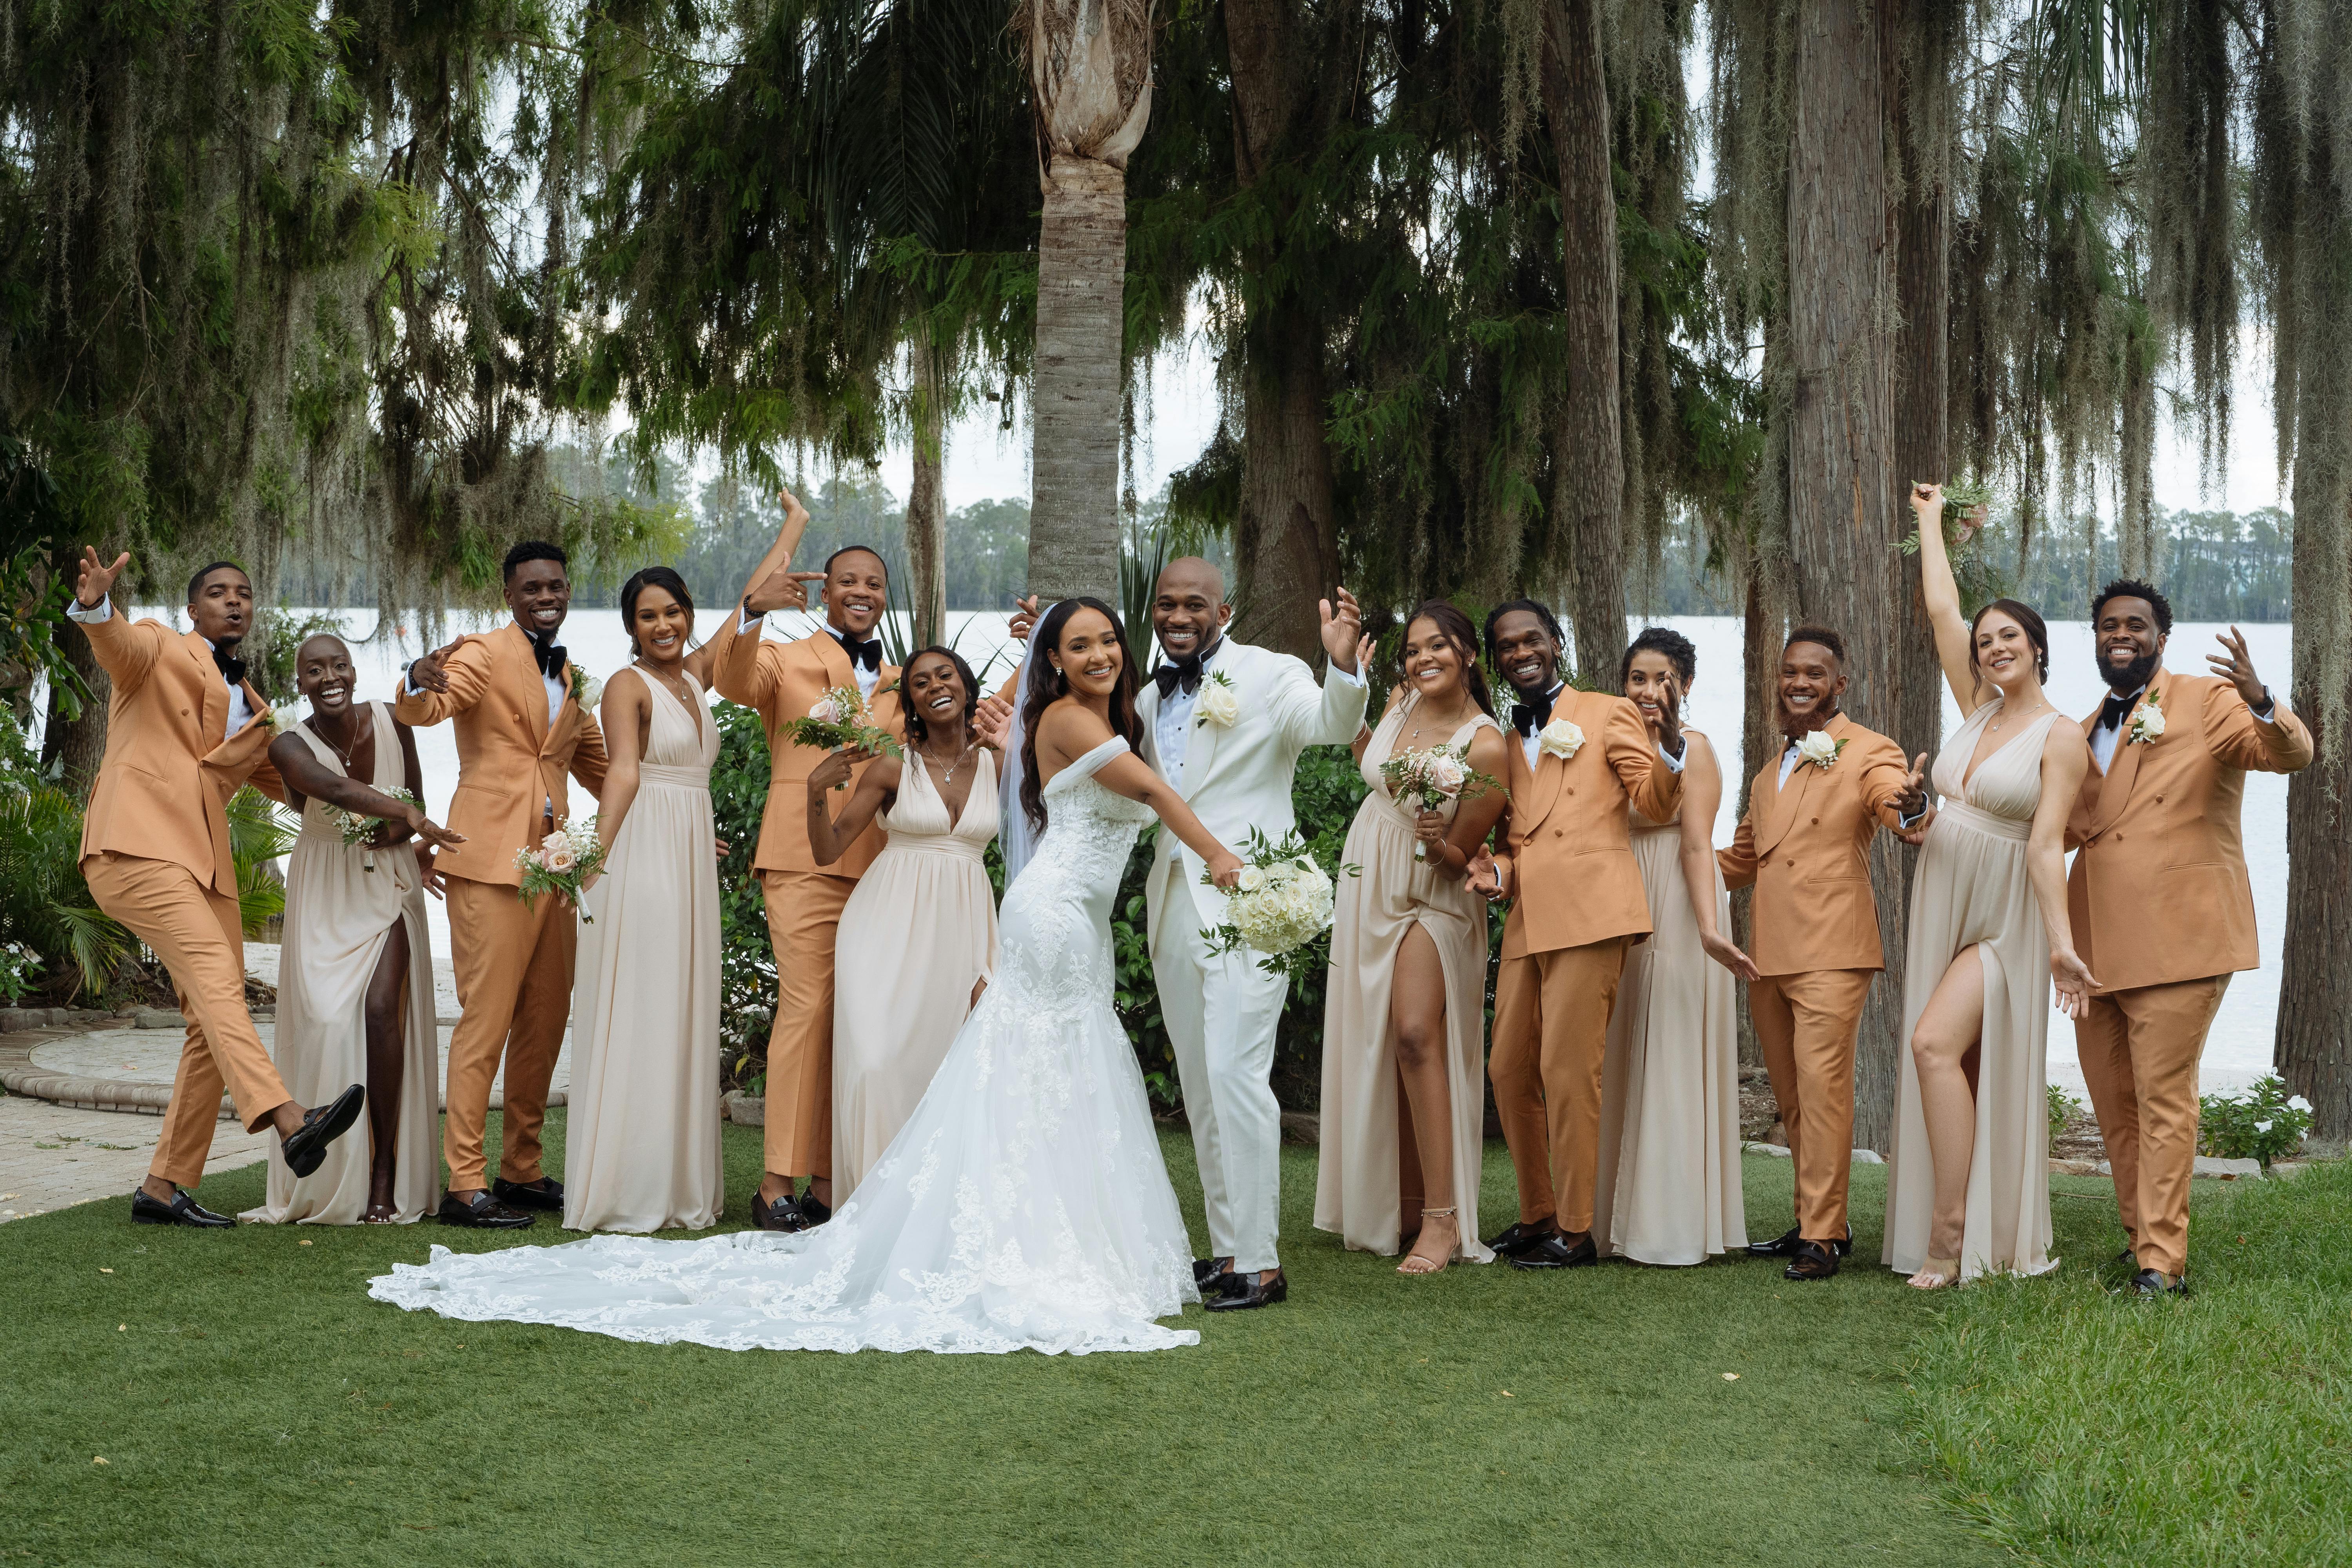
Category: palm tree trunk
[1081,288]
[927,512]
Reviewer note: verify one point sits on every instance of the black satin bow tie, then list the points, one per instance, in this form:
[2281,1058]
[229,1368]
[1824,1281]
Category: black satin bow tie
[2115,710]
[1184,672]
[867,653]
[1526,717]
[546,653]
[232,667]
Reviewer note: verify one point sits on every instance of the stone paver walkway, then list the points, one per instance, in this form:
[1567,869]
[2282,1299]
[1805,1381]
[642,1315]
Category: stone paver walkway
[52,1156]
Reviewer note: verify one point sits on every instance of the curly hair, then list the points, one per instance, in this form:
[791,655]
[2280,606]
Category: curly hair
[1821,635]
[1677,650]
[2133,588]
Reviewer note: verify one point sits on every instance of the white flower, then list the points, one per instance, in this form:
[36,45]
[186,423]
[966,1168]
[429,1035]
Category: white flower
[558,856]
[2297,1102]
[1560,737]
[2263,1126]
[1218,703]
[588,690]
[1253,878]
[2147,723]
[1818,748]
[278,721]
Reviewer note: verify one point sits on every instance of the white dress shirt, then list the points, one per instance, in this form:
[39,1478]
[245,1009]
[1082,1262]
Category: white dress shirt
[240,711]
[1172,726]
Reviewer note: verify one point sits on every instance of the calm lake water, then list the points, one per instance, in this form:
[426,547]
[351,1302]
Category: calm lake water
[2237,1052]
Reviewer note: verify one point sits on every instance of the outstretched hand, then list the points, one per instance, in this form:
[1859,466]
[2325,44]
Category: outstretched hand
[2235,665]
[781,589]
[1343,632]
[428,831]
[97,580]
[1488,877]
[427,673]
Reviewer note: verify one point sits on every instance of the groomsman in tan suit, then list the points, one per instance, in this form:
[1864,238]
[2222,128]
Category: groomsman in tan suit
[521,728]
[185,730]
[2159,900]
[1804,846]
[1579,760]
[783,680]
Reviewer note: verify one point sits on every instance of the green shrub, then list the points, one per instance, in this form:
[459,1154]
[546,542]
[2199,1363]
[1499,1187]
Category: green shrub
[44,906]
[2268,1122]
[747,964]
[2063,1107]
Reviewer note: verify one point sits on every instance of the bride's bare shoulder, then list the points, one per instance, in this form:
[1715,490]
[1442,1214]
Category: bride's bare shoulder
[1069,730]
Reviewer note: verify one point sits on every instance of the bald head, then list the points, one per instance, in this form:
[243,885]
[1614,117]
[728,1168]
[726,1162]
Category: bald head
[323,644]
[1188,607]
[323,672]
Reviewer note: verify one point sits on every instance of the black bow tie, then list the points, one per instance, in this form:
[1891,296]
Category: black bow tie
[546,653]
[1184,672]
[2115,710]
[867,653]
[232,667]
[1526,717]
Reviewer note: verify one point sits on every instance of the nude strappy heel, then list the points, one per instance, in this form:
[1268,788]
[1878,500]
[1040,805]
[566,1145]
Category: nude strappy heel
[1939,1273]
[1425,1266]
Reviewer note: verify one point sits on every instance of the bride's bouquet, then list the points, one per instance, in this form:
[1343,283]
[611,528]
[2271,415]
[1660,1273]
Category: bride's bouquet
[564,859]
[1433,775]
[840,720]
[1281,908]
[363,831]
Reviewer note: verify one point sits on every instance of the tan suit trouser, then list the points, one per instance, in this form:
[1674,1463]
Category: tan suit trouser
[2139,1050]
[1551,1032]
[804,912]
[200,937]
[514,997]
[1806,1024]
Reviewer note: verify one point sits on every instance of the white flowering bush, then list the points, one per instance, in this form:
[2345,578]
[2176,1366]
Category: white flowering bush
[1282,908]
[18,964]
[2267,1123]
[564,859]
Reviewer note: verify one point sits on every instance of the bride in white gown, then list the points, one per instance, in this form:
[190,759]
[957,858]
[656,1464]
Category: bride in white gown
[1023,1205]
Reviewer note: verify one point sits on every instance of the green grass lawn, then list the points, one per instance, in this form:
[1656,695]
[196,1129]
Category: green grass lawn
[253,1405]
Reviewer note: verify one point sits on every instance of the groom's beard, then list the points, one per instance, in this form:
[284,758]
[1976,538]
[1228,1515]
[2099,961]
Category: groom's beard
[2123,682]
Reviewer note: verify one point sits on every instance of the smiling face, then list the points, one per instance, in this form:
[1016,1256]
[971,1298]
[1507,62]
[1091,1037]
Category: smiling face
[2004,651]
[1650,679]
[539,595]
[1189,612]
[1812,680]
[1089,654]
[936,694]
[1527,652]
[1433,666]
[856,590]
[660,625]
[221,609]
[322,674]
[2130,643]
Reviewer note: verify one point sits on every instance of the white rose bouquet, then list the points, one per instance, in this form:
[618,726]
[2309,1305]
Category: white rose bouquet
[1218,702]
[841,720]
[564,859]
[1819,750]
[1431,776]
[365,831]
[1282,908]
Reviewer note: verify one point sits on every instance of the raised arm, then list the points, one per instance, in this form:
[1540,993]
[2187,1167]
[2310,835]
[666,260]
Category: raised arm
[1942,592]
[304,774]
[1655,789]
[1330,714]
[2066,759]
[1702,793]
[125,652]
[464,674]
[627,708]
[2280,744]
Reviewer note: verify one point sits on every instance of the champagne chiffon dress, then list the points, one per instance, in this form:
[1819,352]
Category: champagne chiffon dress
[1367,1124]
[641,1148]
[339,915]
[919,930]
[1669,1189]
[1971,889]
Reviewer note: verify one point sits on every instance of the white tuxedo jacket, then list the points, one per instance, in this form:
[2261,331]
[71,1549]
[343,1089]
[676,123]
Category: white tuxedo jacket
[1239,777]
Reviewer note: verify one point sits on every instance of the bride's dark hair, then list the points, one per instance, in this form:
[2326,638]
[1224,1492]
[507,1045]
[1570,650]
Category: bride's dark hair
[1044,684]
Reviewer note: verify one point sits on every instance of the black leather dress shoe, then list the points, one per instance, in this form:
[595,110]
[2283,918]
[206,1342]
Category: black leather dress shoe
[1247,1292]
[1518,1237]
[1785,1245]
[306,1147]
[784,1215]
[1207,1268]
[814,1210]
[481,1212]
[546,1193]
[1813,1261]
[182,1210]
[2147,1285]
[1552,1251]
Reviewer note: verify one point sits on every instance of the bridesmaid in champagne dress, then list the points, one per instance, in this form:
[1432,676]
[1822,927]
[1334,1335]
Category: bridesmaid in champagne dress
[1669,1188]
[355,975]
[642,1149]
[918,939]
[1404,1093]
[1968,1187]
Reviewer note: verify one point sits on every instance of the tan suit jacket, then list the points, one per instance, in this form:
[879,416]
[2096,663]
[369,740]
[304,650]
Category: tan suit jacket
[783,680]
[1571,847]
[1806,851]
[164,782]
[2159,893]
[510,760]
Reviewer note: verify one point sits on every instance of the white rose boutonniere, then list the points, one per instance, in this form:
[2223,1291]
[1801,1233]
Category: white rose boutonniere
[278,721]
[586,689]
[1819,749]
[1218,703]
[1561,738]
[2147,723]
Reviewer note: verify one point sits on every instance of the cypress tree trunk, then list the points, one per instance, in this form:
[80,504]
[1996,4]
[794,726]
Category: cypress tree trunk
[927,512]
[77,745]
[1081,284]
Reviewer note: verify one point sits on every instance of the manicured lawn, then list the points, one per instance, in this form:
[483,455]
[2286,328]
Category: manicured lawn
[253,1405]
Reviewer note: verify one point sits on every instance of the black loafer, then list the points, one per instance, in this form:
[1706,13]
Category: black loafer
[1207,1268]
[1815,1260]
[1247,1292]
[182,1210]
[1785,1245]
[1553,1251]
[813,1210]
[306,1147]
[2147,1285]
[546,1193]
[481,1212]
[784,1215]
[1518,1237]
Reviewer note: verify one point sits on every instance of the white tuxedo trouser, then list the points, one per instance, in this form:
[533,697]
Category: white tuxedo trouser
[1222,1012]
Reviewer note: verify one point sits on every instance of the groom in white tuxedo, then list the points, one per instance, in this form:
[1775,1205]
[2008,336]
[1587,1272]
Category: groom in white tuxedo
[1225,722]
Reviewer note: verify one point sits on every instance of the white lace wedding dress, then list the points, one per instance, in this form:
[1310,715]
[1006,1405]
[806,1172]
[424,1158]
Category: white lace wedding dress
[1023,1205]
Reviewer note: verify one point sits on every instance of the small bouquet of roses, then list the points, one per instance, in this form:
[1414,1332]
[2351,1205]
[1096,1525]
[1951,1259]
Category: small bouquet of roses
[1967,504]
[363,831]
[1433,775]
[1281,908]
[564,859]
[841,720]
